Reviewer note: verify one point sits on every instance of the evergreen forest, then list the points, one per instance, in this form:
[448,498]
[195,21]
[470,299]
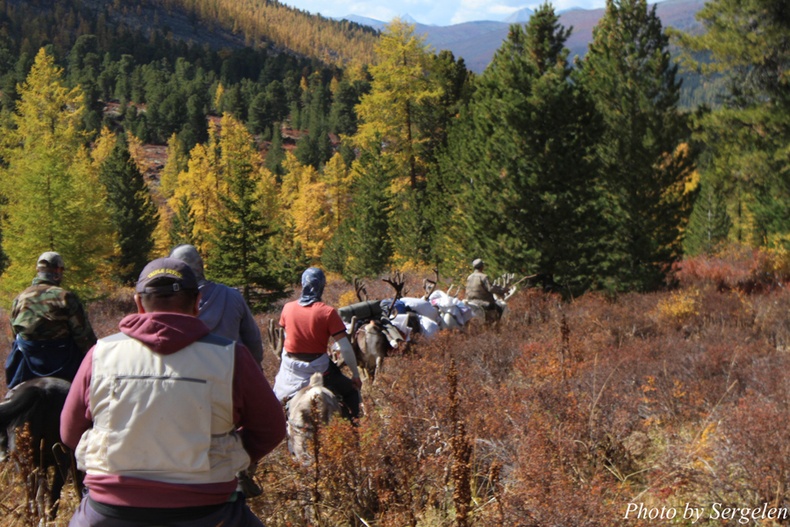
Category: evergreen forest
[641,386]
[293,140]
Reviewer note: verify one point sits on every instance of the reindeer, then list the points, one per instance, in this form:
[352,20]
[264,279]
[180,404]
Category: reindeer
[312,406]
[453,313]
[372,337]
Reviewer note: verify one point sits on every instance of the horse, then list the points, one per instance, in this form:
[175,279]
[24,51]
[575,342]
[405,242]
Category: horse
[314,400]
[37,404]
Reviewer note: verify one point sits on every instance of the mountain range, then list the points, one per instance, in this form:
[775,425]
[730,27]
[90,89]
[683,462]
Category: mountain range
[477,41]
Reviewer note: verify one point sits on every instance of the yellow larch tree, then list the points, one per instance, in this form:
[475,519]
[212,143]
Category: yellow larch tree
[337,177]
[305,207]
[200,186]
[54,199]
[102,147]
[401,89]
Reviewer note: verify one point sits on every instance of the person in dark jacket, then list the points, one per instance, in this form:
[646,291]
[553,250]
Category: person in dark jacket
[51,328]
[163,415]
[222,308]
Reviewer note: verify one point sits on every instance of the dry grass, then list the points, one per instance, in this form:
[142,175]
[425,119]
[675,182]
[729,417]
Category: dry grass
[562,415]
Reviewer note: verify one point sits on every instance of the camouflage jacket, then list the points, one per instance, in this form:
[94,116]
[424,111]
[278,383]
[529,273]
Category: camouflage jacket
[45,311]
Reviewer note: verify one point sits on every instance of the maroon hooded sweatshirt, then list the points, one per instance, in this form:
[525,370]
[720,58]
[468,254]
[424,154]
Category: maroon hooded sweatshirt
[256,412]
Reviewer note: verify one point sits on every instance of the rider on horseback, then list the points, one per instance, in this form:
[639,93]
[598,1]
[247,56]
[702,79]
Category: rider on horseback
[164,414]
[309,324]
[51,327]
[480,291]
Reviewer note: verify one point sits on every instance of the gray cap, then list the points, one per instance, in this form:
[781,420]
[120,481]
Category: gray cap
[189,254]
[166,275]
[50,260]
[477,263]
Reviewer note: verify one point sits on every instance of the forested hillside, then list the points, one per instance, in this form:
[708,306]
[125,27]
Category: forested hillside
[406,160]
[644,376]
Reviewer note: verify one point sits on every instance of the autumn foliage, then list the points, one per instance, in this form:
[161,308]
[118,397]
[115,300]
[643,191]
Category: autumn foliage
[564,414]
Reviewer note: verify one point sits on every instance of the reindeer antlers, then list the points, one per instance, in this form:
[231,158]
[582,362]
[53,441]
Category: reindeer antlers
[359,288]
[276,338]
[429,285]
[397,281]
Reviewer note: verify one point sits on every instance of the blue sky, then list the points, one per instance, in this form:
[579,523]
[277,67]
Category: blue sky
[436,12]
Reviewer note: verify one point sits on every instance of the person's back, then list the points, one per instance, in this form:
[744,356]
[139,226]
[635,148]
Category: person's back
[164,414]
[480,291]
[51,328]
[222,308]
[477,288]
[309,325]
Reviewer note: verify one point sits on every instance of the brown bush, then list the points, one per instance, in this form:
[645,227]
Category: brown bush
[563,414]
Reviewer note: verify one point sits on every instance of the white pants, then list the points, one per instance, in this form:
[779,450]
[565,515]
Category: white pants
[295,374]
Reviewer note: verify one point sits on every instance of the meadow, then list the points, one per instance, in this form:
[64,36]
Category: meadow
[666,408]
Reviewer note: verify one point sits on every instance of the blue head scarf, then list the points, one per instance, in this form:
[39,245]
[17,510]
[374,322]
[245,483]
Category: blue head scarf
[313,282]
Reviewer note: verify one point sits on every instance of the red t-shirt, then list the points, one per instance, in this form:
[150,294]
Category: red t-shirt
[308,328]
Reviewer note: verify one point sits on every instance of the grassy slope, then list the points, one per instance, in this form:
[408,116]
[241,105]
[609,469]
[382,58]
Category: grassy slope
[564,415]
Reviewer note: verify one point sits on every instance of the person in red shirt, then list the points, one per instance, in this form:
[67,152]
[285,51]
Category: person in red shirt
[309,326]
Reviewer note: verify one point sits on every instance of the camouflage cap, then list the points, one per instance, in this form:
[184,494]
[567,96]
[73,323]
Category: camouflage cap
[50,260]
[166,275]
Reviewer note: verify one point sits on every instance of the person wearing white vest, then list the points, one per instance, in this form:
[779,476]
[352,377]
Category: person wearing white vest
[164,414]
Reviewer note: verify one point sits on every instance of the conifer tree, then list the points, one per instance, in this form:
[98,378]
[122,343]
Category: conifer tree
[177,162]
[629,71]
[747,42]
[368,246]
[182,223]
[338,179]
[201,185]
[240,254]
[306,208]
[521,161]
[132,212]
[709,224]
[401,88]
[342,118]
[275,154]
[54,200]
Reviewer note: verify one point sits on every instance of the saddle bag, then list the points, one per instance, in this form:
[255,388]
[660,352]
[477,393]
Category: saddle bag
[362,310]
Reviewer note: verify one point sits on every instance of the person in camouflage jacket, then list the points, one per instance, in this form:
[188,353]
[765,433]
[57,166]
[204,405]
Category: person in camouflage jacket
[481,291]
[51,328]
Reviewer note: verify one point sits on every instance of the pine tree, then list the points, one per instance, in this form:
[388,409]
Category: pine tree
[54,201]
[521,161]
[182,224]
[709,225]
[368,244]
[132,212]
[342,118]
[747,42]
[275,154]
[240,252]
[629,71]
